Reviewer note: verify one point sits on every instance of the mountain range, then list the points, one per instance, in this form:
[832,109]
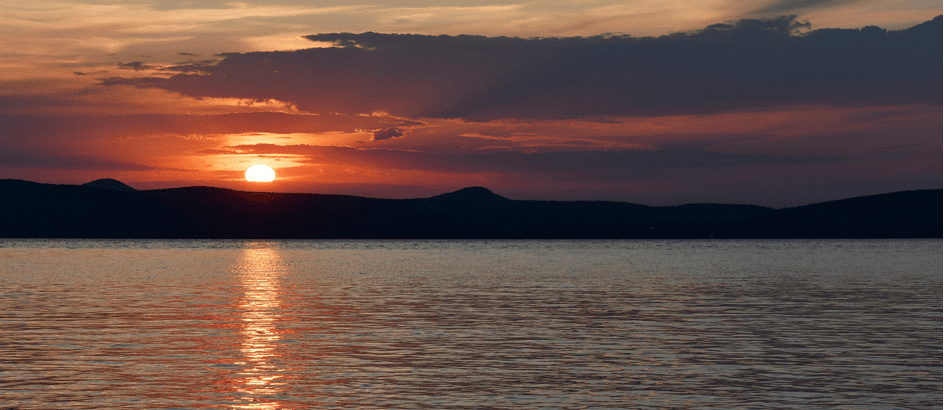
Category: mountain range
[107,208]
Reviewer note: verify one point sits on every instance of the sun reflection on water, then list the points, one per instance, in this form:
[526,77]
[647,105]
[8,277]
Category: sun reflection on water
[259,273]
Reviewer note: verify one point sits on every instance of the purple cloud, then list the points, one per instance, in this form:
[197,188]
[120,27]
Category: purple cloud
[746,65]
[387,133]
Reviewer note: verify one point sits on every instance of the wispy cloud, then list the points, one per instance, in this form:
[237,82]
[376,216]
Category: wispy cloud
[585,166]
[68,162]
[784,7]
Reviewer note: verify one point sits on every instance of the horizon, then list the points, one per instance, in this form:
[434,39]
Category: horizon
[474,187]
[764,103]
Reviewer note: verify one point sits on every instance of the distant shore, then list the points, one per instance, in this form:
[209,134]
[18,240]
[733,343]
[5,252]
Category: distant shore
[111,209]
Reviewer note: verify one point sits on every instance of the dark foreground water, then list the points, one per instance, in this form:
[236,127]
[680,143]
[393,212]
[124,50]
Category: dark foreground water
[470,324]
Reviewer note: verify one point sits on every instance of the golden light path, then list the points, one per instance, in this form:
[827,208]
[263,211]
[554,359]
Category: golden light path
[259,272]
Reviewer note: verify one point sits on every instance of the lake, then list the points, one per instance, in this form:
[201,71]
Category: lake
[154,324]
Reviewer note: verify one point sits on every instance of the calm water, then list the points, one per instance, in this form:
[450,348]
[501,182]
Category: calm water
[470,324]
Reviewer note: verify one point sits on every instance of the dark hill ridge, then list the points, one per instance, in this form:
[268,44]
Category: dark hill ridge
[897,207]
[471,197]
[103,209]
[110,184]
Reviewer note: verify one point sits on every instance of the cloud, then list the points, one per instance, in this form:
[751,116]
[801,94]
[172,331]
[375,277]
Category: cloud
[99,73]
[745,65]
[67,162]
[387,133]
[24,126]
[585,166]
[781,7]
[136,66]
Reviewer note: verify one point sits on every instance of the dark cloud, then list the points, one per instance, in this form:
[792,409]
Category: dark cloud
[23,159]
[19,126]
[744,65]
[99,72]
[781,7]
[191,66]
[586,166]
[387,133]
[899,115]
[760,28]
[214,151]
[136,66]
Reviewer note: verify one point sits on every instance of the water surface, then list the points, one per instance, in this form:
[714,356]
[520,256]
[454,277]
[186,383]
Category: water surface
[470,324]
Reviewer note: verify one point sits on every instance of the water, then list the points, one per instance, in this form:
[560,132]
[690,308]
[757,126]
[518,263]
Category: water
[470,324]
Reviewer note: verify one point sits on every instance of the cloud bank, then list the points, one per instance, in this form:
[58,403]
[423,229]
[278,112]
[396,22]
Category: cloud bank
[750,64]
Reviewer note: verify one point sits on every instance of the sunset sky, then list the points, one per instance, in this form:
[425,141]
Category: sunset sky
[771,102]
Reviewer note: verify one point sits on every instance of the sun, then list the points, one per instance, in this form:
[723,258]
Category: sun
[260,173]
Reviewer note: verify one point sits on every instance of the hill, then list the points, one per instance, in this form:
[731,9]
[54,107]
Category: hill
[109,210]
[109,184]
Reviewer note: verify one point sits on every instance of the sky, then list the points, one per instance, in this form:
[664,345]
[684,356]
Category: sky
[659,102]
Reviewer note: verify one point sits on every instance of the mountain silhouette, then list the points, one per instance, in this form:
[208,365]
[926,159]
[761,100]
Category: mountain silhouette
[110,184]
[111,209]
[471,197]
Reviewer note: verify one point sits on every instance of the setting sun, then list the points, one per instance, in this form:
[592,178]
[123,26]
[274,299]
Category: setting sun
[260,173]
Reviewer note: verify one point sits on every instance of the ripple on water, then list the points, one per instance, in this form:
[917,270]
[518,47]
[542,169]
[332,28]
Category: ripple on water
[480,324]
